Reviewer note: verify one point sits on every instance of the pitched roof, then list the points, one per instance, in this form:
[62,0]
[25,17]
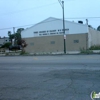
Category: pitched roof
[54,19]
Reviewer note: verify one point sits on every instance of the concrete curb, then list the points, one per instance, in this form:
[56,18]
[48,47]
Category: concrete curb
[49,55]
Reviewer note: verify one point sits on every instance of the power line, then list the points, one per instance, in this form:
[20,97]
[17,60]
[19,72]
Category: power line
[24,25]
[6,28]
[84,18]
[24,10]
[16,27]
[60,2]
[32,8]
[27,25]
[50,21]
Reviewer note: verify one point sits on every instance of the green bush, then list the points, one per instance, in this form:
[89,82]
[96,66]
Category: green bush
[23,53]
[83,51]
[7,54]
[95,47]
[6,45]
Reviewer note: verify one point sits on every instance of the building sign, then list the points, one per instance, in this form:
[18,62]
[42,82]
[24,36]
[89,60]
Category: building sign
[51,32]
[64,36]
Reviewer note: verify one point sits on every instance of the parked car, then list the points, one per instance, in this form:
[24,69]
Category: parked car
[15,47]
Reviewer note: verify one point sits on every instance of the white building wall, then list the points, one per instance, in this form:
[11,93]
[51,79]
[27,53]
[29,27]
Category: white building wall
[54,24]
[89,39]
[4,40]
[75,28]
[94,37]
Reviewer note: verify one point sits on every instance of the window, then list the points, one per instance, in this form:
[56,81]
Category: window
[52,42]
[76,41]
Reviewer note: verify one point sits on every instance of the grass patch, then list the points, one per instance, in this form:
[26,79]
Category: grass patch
[83,51]
[23,53]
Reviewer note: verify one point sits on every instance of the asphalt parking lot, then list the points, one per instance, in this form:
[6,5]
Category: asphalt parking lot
[63,77]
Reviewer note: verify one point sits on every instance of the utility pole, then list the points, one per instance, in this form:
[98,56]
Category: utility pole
[13,42]
[87,35]
[64,28]
[62,5]
[87,21]
[13,30]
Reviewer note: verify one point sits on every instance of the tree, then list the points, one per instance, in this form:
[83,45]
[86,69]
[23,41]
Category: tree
[11,36]
[9,33]
[6,45]
[18,35]
[18,38]
[98,28]
[23,44]
[19,30]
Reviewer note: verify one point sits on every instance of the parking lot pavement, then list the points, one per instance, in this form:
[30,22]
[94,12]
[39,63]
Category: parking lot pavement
[49,77]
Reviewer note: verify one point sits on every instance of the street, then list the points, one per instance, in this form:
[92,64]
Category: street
[60,77]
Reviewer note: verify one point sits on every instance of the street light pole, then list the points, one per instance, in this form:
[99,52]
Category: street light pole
[62,5]
[64,28]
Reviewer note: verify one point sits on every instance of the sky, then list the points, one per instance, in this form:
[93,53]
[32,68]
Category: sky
[25,13]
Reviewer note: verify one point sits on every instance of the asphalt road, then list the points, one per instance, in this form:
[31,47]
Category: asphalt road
[70,77]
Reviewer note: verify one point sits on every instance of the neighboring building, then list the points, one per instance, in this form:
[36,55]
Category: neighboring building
[47,36]
[4,40]
[94,37]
